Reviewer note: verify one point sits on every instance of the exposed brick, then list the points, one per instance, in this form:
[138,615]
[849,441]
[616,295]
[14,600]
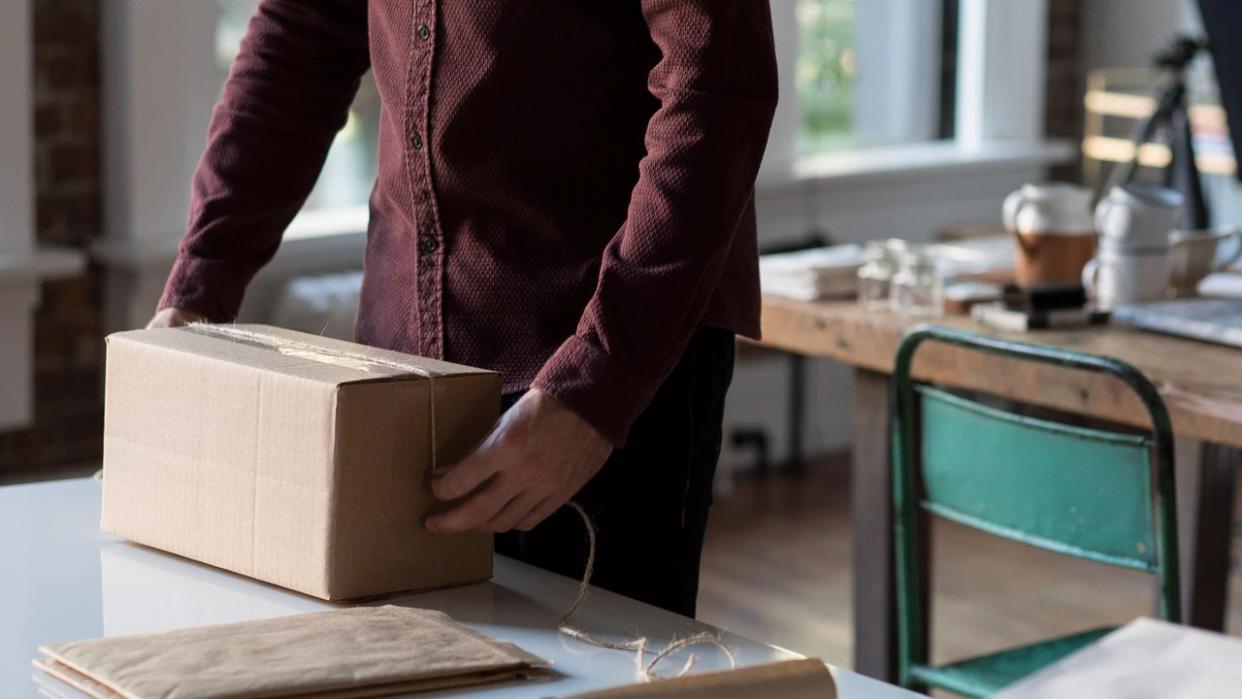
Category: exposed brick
[82,117]
[1064,81]
[68,70]
[73,163]
[49,120]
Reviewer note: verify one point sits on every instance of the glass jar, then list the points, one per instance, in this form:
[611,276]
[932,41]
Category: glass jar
[917,289]
[875,276]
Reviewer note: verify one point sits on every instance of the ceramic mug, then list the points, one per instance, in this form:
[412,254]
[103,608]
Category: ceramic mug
[1138,215]
[1119,276]
[1052,231]
[1195,254]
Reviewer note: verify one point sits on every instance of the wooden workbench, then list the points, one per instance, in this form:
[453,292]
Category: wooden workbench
[1201,385]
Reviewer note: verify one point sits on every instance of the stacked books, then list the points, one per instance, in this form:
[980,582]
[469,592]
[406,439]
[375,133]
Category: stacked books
[808,275]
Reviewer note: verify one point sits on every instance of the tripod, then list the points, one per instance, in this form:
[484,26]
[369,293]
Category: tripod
[1172,114]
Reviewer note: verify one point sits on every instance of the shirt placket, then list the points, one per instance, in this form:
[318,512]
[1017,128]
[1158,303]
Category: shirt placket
[429,241]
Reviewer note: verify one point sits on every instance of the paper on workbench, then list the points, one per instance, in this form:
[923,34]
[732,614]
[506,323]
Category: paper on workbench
[1144,659]
[806,275]
[369,651]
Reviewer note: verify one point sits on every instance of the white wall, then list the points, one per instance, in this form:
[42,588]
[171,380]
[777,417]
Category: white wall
[16,130]
[19,295]
[1126,33]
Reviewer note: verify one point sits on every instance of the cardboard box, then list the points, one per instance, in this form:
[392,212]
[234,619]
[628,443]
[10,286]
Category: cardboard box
[295,459]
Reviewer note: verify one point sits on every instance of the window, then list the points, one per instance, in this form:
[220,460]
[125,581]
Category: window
[824,74]
[868,73]
[349,171]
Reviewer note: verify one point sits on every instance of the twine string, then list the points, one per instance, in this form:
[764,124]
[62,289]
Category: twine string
[637,645]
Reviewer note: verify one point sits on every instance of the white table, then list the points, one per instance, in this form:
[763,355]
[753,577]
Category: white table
[61,580]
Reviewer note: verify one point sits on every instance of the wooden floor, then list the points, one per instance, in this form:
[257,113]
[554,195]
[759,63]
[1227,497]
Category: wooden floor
[776,567]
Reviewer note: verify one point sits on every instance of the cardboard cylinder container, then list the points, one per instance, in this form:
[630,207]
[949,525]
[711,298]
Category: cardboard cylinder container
[291,458]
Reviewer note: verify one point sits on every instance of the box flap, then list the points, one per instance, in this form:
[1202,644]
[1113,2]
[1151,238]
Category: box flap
[292,353]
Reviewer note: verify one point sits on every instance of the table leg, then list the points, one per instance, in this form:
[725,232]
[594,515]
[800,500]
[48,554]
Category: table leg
[874,605]
[797,410]
[875,621]
[1206,497]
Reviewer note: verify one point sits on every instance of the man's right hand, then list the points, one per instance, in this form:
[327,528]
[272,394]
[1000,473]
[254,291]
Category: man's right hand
[174,318]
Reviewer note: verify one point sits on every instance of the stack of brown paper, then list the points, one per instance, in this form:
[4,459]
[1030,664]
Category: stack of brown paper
[363,652]
[791,679]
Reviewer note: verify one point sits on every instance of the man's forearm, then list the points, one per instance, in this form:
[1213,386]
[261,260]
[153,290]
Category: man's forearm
[716,84]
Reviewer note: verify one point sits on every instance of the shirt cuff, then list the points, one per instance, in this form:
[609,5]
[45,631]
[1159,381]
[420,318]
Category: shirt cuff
[593,385]
[207,287]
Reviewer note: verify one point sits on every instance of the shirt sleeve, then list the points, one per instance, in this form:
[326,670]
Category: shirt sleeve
[716,84]
[287,95]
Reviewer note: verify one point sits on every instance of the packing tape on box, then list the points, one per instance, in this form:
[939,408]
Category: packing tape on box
[637,645]
[335,357]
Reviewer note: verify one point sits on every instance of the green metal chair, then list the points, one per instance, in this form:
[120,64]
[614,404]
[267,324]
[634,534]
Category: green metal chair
[1073,490]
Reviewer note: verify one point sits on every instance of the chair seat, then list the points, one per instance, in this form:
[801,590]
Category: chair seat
[985,675]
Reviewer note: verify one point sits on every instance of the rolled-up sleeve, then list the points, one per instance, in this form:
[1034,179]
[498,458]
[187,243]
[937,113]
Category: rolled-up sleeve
[287,95]
[716,85]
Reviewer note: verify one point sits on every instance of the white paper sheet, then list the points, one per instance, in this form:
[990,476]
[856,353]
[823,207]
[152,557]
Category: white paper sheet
[1144,659]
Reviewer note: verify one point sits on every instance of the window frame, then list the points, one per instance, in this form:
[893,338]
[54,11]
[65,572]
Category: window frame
[998,108]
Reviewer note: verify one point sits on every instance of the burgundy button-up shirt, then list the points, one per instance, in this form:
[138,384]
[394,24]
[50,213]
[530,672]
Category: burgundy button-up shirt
[565,188]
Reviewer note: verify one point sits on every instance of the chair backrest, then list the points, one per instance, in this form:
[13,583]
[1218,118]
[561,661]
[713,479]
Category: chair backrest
[1091,493]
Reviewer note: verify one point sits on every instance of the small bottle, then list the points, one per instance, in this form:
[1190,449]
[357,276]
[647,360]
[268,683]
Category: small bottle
[917,288]
[876,274]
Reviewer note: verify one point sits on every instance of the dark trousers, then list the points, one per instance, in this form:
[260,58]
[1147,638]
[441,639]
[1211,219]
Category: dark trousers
[649,502]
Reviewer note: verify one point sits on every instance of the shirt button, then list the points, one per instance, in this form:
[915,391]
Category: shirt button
[416,141]
[424,32]
[428,244]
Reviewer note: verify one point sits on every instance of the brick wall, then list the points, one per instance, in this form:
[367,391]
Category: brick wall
[68,348]
[1066,81]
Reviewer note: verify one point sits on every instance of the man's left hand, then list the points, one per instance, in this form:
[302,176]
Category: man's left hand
[537,457]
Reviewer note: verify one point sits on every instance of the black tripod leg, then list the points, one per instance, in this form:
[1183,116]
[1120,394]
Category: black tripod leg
[1144,131]
[1183,173]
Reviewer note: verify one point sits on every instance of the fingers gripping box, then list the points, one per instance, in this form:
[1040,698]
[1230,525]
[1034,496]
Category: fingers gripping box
[295,459]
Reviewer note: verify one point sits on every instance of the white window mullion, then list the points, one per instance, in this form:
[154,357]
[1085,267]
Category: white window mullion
[1002,47]
[897,93]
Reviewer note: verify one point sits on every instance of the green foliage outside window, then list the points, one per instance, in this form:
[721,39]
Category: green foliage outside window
[824,75]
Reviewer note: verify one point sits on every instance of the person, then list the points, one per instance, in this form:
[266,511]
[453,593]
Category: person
[565,195]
